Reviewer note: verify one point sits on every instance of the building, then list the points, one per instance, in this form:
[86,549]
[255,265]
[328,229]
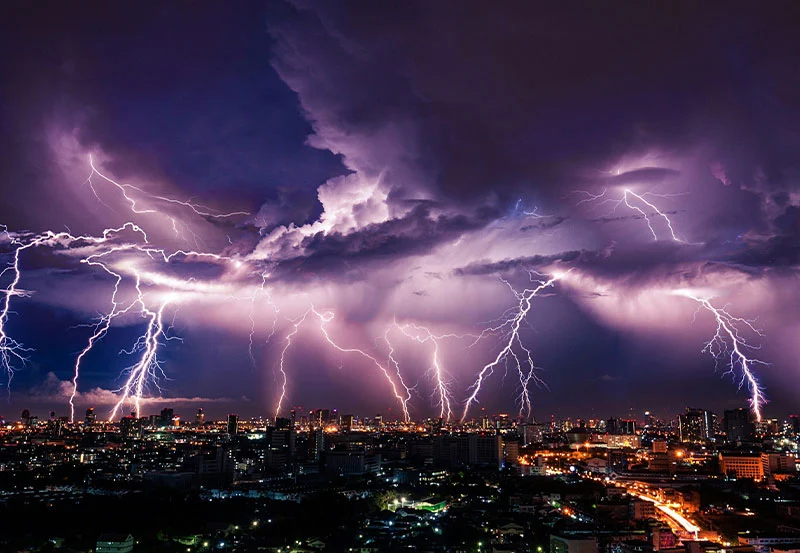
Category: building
[778,463]
[114,543]
[623,441]
[280,444]
[765,543]
[91,417]
[348,422]
[316,444]
[641,509]
[213,468]
[130,426]
[510,451]
[468,450]
[352,463]
[572,544]
[166,417]
[532,434]
[321,417]
[199,417]
[597,465]
[737,465]
[233,425]
[627,426]
[738,425]
[696,426]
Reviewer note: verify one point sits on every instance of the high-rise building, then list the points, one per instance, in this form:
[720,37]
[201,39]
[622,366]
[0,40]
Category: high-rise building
[502,421]
[199,417]
[316,444]
[90,417]
[347,422]
[468,450]
[696,425]
[280,444]
[212,468]
[233,424]
[738,425]
[352,462]
[792,426]
[532,434]
[167,414]
[627,427]
[130,426]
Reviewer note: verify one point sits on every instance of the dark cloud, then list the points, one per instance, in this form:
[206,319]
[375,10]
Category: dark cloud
[474,138]
[417,233]
[533,263]
[486,100]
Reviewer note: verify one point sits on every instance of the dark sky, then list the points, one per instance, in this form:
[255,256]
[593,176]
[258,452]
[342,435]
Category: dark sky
[359,198]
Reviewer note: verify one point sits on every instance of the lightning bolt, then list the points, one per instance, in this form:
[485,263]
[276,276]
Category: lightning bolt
[116,261]
[635,202]
[422,335]
[124,189]
[728,342]
[148,368]
[510,327]
[12,351]
[261,290]
[324,318]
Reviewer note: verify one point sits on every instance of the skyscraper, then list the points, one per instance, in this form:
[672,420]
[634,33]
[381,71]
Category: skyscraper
[233,424]
[696,425]
[167,415]
[316,444]
[280,443]
[738,425]
[90,417]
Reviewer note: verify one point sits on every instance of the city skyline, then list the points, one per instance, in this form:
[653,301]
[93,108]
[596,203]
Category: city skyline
[410,210]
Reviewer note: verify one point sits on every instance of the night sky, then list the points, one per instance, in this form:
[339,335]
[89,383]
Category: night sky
[392,174]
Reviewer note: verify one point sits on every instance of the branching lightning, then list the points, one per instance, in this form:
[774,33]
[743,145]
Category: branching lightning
[127,256]
[636,202]
[324,318]
[514,350]
[124,189]
[103,252]
[422,335]
[260,291]
[729,343]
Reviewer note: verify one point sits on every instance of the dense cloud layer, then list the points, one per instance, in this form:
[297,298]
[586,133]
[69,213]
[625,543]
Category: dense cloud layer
[397,158]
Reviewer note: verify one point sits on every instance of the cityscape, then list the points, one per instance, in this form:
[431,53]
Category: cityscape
[325,481]
[435,276]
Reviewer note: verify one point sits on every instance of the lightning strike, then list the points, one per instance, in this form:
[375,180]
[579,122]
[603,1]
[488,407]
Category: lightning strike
[728,342]
[423,335]
[635,202]
[148,369]
[260,290]
[510,328]
[124,188]
[324,318]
